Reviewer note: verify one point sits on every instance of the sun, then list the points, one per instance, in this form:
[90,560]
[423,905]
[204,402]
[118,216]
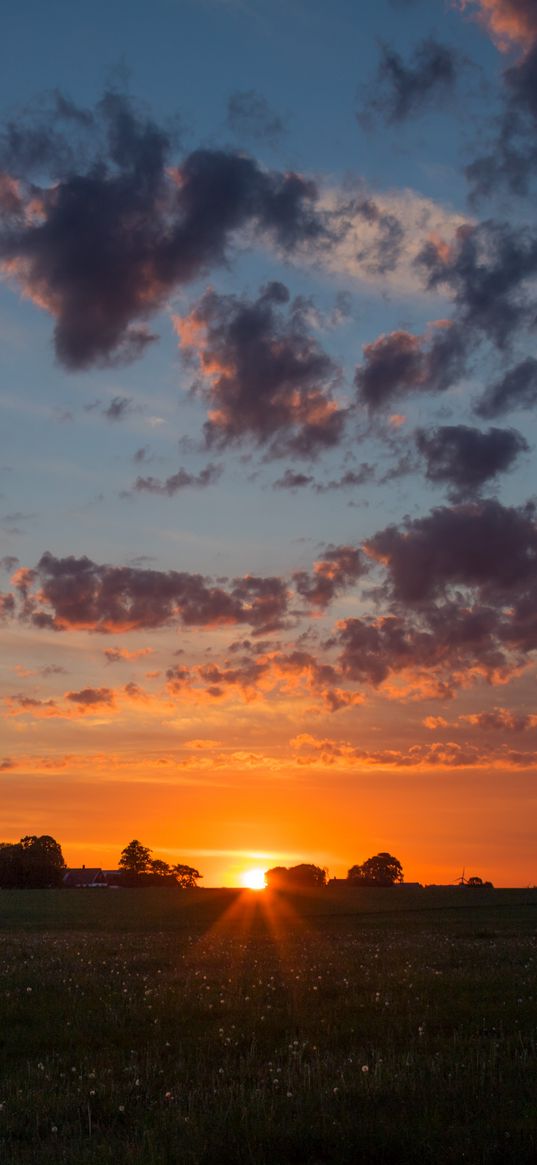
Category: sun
[253,879]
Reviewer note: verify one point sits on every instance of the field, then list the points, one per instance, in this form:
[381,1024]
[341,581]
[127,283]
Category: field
[215,1028]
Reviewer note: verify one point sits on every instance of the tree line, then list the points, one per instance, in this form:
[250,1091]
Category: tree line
[33,863]
[140,869]
[381,870]
[37,863]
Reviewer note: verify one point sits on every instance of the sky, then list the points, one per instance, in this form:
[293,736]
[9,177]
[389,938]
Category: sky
[268,528]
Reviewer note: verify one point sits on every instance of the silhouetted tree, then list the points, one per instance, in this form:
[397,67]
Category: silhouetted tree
[302,877]
[475,881]
[135,858]
[160,868]
[381,870]
[32,863]
[186,876]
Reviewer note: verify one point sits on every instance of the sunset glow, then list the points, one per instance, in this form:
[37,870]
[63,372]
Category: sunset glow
[254,879]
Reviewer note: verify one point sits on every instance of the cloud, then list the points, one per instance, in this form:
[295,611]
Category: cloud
[440,754]
[482,545]
[487,270]
[501,720]
[91,697]
[263,374]
[9,562]
[124,655]
[118,409]
[179,481]
[249,115]
[76,593]
[292,674]
[293,480]
[511,22]
[7,605]
[516,390]
[429,654]
[512,158]
[339,569]
[401,363]
[119,227]
[351,479]
[465,458]
[375,237]
[401,90]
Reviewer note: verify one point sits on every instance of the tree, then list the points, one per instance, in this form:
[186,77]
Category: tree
[475,881]
[33,863]
[302,877]
[158,867]
[186,876]
[381,870]
[135,858]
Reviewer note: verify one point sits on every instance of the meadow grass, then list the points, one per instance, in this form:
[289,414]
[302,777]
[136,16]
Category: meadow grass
[214,1028]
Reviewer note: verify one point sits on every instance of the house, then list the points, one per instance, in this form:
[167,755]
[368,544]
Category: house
[83,877]
[91,877]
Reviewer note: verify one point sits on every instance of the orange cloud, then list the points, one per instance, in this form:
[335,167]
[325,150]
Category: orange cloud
[438,755]
[510,22]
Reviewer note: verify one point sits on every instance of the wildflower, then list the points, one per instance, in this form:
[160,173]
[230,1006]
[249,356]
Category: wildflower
[28,990]
[365,1069]
[121,1108]
[54,1128]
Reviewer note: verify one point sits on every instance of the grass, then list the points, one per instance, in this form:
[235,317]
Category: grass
[210,1028]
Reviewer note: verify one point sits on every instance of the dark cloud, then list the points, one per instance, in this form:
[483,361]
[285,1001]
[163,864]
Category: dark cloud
[179,481]
[339,569]
[76,593]
[382,256]
[516,390]
[465,458]
[434,649]
[141,454]
[118,409]
[487,270]
[7,606]
[401,363]
[512,159]
[249,115]
[89,697]
[117,228]
[351,479]
[482,545]
[9,562]
[293,480]
[400,90]
[29,703]
[265,376]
